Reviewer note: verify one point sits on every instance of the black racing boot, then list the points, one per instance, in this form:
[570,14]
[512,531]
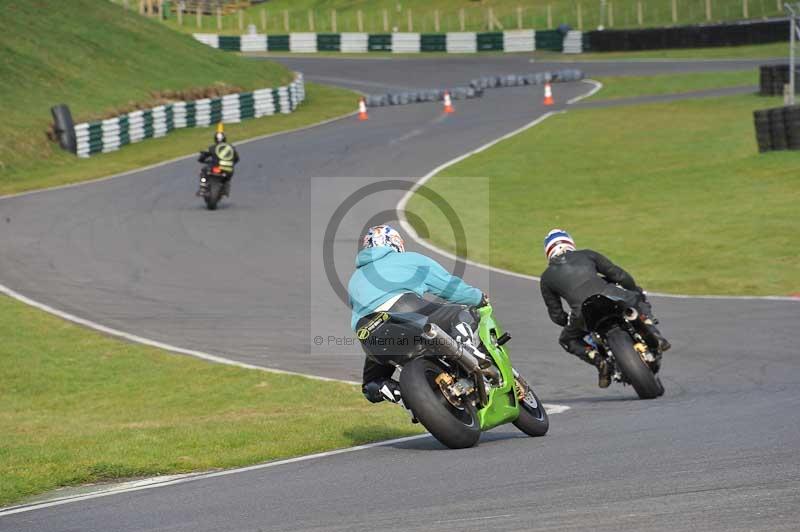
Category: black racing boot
[663,343]
[386,390]
[603,372]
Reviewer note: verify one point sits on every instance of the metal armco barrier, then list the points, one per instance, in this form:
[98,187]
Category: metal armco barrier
[778,128]
[772,78]
[699,36]
[111,134]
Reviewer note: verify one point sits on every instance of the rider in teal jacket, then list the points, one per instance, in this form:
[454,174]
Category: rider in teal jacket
[389,280]
[382,273]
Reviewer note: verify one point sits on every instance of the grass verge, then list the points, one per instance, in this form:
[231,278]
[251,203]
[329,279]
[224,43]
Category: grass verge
[616,87]
[77,406]
[322,103]
[755,51]
[96,57]
[675,192]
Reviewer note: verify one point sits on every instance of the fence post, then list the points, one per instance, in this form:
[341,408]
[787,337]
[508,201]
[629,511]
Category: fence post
[360,20]
[198,17]
[149,8]
[461,19]
[610,15]
[385,20]
[180,14]
[674,11]
[219,17]
[310,20]
[708,10]
[519,17]
[333,21]
[639,13]
[745,13]
[580,18]
[436,27]
[141,7]
[241,19]
[125,4]
[286,20]
[264,20]
[549,17]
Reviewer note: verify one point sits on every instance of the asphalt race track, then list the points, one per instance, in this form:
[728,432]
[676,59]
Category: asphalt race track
[720,451]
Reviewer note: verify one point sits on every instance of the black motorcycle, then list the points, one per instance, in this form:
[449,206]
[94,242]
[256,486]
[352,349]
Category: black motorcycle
[214,183]
[630,348]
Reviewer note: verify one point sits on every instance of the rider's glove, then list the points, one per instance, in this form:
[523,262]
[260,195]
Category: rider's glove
[484,300]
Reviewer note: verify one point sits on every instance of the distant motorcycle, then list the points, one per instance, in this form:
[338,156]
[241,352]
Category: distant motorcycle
[214,184]
[630,348]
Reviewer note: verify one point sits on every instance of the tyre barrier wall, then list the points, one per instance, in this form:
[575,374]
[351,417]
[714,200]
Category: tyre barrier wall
[772,78]
[474,89]
[455,42]
[778,128]
[111,134]
[699,36]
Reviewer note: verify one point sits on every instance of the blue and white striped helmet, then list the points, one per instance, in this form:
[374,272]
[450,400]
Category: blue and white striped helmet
[557,242]
[384,236]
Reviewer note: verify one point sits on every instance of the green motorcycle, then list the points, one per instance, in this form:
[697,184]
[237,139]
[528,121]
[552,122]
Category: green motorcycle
[457,390]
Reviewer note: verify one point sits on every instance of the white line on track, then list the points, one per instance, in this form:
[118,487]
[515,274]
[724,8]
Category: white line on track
[597,87]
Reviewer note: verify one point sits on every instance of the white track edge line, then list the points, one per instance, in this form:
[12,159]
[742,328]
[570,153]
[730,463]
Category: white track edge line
[401,207]
[154,343]
[597,87]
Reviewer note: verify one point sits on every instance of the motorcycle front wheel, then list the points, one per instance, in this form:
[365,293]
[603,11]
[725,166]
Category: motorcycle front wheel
[532,419]
[456,427]
[644,381]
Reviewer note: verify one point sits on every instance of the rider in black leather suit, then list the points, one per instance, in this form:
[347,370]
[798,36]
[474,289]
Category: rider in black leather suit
[574,276]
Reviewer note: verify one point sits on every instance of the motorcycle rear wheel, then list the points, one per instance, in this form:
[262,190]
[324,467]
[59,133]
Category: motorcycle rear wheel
[646,384]
[455,427]
[214,194]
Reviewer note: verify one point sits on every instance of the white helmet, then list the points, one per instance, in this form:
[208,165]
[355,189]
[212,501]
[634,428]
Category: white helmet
[557,242]
[383,236]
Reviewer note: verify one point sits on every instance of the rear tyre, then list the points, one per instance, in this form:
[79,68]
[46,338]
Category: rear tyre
[532,419]
[455,427]
[646,384]
[214,194]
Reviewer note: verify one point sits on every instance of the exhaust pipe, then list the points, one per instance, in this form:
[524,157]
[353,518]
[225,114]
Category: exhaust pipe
[455,351]
[631,314]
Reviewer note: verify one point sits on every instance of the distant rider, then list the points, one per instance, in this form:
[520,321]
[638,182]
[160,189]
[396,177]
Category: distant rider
[576,275]
[389,280]
[222,155]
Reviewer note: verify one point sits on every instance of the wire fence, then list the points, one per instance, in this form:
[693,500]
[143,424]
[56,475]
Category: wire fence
[578,14]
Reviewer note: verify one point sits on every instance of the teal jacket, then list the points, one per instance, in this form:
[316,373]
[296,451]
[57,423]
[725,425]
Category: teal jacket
[382,273]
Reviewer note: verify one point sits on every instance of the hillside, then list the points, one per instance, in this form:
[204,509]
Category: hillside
[95,57]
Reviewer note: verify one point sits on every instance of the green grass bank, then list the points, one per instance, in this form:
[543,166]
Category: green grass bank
[77,406]
[96,57]
[675,192]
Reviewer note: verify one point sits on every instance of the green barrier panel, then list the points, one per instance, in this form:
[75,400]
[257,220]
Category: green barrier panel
[276,97]
[124,130]
[278,43]
[492,41]
[433,42]
[379,42]
[231,43]
[552,40]
[329,42]
[246,99]
[147,116]
[191,117]
[95,147]
[216,109]
[170,118]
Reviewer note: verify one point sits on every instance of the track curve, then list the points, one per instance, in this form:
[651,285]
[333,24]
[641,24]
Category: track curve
[139,253]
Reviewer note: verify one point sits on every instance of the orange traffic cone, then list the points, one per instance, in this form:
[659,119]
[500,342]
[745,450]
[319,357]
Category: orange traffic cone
[362,109]
[548,94]
[448,103]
